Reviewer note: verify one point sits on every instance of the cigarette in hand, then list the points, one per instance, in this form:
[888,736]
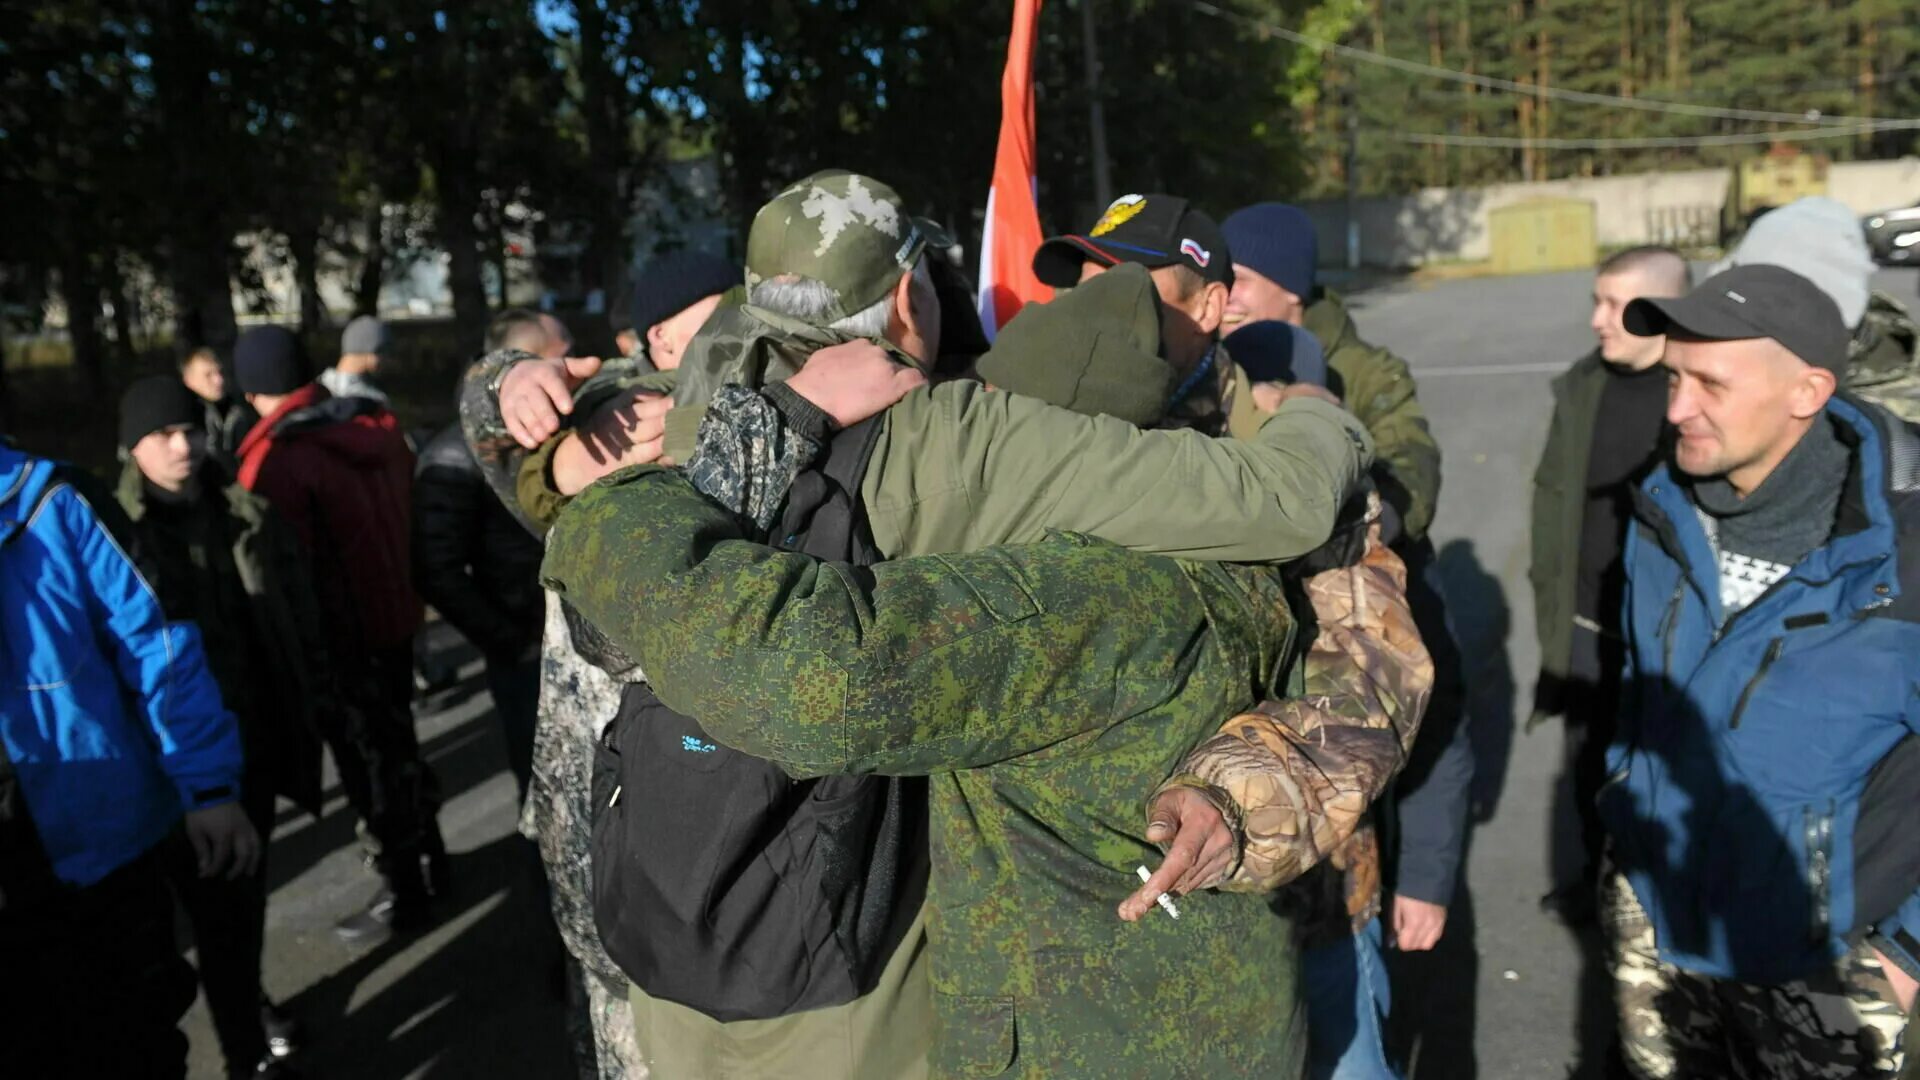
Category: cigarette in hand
[1165,901]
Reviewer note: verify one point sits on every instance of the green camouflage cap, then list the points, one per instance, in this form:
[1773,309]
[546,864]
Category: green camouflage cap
[847,231]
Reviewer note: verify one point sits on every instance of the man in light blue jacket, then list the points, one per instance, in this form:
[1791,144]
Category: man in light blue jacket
[111,727]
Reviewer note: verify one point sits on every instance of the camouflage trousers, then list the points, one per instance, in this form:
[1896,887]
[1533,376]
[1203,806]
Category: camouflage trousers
[1674,1024]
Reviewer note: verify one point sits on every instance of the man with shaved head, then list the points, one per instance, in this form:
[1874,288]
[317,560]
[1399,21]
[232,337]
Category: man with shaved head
[1759,893]
[1606,432]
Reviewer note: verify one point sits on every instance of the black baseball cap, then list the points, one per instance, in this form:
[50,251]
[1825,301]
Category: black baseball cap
[1152,230]
[1753,301]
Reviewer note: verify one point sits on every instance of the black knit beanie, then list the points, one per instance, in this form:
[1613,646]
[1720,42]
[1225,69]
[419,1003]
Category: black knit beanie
[675,282]
[270,360]
[154,403]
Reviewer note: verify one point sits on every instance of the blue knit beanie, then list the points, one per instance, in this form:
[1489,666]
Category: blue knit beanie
[1275,241]
[1278,352]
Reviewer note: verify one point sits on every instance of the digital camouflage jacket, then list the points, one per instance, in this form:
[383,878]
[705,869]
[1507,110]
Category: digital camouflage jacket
[1044,688]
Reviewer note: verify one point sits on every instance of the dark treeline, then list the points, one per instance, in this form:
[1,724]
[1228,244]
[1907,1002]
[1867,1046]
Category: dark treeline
[152,150]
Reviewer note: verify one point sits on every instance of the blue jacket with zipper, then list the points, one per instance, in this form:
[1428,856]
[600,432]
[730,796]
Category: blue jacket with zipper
[108,713]
[1766,779]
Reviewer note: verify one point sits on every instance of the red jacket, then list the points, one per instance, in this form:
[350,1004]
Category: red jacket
[339,471]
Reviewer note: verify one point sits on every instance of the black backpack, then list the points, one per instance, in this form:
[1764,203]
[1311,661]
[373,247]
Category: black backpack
[721,883]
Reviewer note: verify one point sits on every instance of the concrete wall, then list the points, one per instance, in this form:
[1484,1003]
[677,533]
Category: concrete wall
[1451,224]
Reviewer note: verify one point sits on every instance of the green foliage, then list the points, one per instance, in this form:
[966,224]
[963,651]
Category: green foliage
[140,139]
[1836,57]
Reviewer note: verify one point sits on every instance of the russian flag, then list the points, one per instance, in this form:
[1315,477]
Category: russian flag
[1012,231]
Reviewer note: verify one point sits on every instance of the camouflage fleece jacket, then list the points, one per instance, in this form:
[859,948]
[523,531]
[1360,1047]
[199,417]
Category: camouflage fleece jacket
[1044,688]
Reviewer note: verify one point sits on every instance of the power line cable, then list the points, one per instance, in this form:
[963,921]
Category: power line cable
[1542,91]
[1505,142]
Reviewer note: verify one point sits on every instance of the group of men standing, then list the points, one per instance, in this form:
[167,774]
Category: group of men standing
[918,871]
[1723,558]
[906,704]
[192,636]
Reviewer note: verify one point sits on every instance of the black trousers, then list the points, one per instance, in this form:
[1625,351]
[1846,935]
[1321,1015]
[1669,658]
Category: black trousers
[515,686]
[387,782]
[92,983]
[229,920]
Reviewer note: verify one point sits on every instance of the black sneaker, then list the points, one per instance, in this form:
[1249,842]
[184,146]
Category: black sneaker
[284,1033]
[1574,903]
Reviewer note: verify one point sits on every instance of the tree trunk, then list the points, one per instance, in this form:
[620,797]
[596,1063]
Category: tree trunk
[1677,43]
[113,287]
[304,243]
[605,108]
[459,198]
[203,295]
[80,289]
[373,268]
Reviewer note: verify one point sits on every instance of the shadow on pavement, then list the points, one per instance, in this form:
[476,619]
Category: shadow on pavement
[483,1002]
[1436,998]
[1482,620]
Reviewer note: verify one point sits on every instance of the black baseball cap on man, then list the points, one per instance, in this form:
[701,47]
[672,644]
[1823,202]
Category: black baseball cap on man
[1152,230]
[1752,301]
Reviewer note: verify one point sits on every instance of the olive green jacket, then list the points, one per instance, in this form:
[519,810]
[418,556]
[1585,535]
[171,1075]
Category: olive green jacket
[1046,689]
[958,467]
[1378,387]
[1559,508]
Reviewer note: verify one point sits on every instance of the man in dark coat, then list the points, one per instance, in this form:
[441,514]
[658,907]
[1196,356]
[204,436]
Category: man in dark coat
[224,561]
[340,473]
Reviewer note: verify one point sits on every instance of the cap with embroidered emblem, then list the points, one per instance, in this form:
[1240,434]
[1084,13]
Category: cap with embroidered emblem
[1152,230]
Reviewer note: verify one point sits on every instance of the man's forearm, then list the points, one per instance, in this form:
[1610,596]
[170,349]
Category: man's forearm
[827,669]
[499,454]
[1302,772]
[751,446]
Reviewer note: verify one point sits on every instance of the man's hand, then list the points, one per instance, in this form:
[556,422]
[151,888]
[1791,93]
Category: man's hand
[1200,849]
[535,394]
[853,381]
[1903,983]
[224,841]
[1417,924]
[1268,396]
[631,432]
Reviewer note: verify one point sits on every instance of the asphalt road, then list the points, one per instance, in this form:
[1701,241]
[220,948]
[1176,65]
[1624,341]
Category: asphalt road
[1510,995]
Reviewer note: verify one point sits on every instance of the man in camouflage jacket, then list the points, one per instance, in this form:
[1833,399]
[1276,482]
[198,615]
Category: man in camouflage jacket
[1043,687]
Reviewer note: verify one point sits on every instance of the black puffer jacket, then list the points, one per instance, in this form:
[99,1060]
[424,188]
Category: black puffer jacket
[472,560]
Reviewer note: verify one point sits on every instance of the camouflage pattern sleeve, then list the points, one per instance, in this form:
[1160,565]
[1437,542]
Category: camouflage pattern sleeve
[1300,773]
[916,666]
[747,455]
[499,455]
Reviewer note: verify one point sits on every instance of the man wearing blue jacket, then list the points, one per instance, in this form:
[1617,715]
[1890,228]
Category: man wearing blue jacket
[1762,902]
[111,727]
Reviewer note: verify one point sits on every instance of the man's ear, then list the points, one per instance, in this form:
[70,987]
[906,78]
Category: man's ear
[906,317]
[1213,308]
[1811,393]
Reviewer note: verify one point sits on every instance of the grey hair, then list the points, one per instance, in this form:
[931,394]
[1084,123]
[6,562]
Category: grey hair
[810,300]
